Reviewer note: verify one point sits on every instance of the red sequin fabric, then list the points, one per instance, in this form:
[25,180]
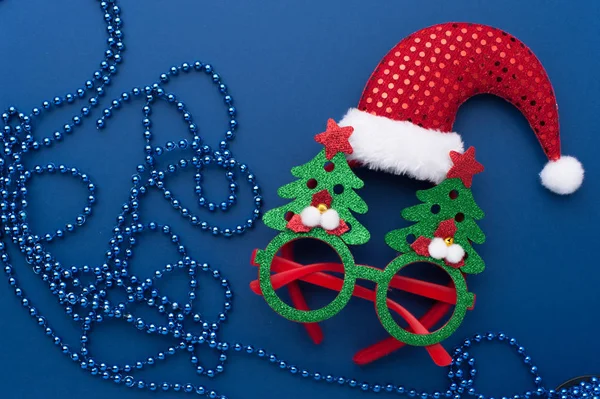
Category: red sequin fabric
[429,74]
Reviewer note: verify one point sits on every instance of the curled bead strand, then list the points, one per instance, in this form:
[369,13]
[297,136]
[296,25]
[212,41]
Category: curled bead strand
[202,155]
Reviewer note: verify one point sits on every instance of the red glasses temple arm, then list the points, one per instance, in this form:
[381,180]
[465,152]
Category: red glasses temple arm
[391,344]
[313,330]
[436,351]
[289,271]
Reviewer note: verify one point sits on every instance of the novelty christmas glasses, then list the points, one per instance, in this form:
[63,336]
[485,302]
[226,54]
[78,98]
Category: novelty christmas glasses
[324,197]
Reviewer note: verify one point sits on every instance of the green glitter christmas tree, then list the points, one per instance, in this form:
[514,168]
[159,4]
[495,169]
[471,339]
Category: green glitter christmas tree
[453,200]
[328,171]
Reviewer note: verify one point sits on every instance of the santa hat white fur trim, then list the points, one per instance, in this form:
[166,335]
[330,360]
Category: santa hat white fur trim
[563,176]
[400,147]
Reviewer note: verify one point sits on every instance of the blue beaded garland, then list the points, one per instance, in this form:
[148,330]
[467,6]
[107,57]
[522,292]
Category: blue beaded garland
[90,304]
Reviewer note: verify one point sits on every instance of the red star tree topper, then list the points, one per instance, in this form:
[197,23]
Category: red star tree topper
[335,139]
[465,166]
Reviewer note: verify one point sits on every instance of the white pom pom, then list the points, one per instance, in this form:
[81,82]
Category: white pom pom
[438,248]
[563,176]
[330,219]
[311,217]
[455,254]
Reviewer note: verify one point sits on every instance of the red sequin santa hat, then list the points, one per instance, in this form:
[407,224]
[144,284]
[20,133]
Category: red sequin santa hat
[403,122]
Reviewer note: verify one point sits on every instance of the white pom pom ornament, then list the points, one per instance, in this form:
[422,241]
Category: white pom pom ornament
[563,176]
[455,253]
[438,248]
[310,216]
[441,249]
[330,219]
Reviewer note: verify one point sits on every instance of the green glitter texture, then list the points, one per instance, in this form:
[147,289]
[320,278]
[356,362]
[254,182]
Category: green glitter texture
[464,300]
[339,181]
[264,259]
[448,200]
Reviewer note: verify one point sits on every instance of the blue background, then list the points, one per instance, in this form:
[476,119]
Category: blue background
[290,66]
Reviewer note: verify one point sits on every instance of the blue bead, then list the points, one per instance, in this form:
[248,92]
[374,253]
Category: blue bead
[94,297]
